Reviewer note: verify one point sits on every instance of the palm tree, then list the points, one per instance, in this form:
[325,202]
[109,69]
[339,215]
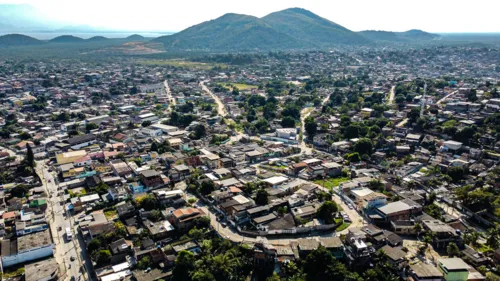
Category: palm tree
[493,240]
[417,227]
[224,264]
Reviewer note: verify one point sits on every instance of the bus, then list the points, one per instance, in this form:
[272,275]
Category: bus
[69,234]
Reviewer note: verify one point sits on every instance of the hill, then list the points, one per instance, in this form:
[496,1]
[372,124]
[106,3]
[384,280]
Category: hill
[97,38]
[231,32]
[306,26]
[66,39]
[410,36]
[18,40]
[135,37]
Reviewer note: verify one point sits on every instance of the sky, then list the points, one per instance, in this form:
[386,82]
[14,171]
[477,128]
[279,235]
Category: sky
[167,15]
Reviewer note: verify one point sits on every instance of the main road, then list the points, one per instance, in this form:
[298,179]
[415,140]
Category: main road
[304,113]
[390,101]
[71,255]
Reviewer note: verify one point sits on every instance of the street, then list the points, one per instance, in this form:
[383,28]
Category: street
[59,219]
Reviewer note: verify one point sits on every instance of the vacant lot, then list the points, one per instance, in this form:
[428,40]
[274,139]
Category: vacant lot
[331,183]
[183,64]
[239,86]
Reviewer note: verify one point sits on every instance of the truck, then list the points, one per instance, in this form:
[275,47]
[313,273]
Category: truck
[69,234]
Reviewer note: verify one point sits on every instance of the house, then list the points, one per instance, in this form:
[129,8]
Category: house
[79,142]
[425,272]
[332,169]
[42,270]
[160,229]
[444,234]
[118,193]
[151,179]
[454,269]
[26,248]
[137,187]
[183,219]
[125,210]
[399,210]
[395,256]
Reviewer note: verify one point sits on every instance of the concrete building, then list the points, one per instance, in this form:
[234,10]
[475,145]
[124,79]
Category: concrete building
[454,269]
[425,272]
[26,248]
[44,270]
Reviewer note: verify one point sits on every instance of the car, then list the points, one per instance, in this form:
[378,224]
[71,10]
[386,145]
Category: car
[72,258]
[49,180]
[350,206]
[81,216]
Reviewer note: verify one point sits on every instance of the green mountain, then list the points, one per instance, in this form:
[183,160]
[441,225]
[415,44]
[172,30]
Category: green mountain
[410,36]
[231,32]
[97,39]
[135,37]
[18,40]
[306,26]
[66,39]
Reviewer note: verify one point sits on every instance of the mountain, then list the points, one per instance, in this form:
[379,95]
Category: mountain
[97,39]
[136,37]
[231,32]
[306,26]
[66,39]
[410,36]
[18,40]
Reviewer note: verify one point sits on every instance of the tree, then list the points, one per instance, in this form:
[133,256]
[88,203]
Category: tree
[456,173]
[102,257]
[363,146]
[493,240]
[418,228]
[274,277]
[154,146]
[471,96]
[353,157]
[146,123]
[102,188]
[414,114]
[91,126]
[326,212]
[19,190]
[94,245]
[30,157]
[202,275]
[288,122]
[262,197]
[431,198]
[184,263]
[310,126]
[453,250]
[199,131]
[317,262]
[207,187]
[144,263]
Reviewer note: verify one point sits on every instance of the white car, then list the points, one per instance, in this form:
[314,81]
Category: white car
[350,206]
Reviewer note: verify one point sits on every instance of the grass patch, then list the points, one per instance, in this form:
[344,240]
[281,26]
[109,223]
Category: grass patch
[482,248]
[331,182]
[13,272]
[183,64]
[239,86]
[110,215]
[345,225]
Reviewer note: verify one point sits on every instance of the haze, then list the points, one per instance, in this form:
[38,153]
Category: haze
[392,15]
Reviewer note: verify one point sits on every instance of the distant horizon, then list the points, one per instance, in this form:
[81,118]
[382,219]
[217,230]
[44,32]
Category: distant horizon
[355,15]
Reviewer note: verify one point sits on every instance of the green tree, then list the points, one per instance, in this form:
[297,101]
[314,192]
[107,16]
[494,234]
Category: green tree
[154,147]
[199,131]
[363,146]
[30,157]
[184,263]
[327,212]
[288,122]
[492,239]
[310,126]
[207,187]
[144,263]
[146,123]
[102,257]
[261,197]
[91,126]
[353,157]
[453,250]
[102,188]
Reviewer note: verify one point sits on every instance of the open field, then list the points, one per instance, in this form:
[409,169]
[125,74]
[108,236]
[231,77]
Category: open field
[239,86]
[331,182]
[183,64]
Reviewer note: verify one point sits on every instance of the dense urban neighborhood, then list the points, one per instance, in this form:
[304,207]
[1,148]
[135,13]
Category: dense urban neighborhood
[361,164]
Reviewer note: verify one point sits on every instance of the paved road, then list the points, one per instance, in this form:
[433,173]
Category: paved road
[447,96]
[171,99]
[221,109]
[304,113]
[390,101]
[60,218]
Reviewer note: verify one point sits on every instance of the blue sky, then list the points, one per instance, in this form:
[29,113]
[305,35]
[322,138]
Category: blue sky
[167,15]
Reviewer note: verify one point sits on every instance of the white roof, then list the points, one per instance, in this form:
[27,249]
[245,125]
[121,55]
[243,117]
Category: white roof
[309,161]
[241,199]
[276,180]
[116,276]
[362,192]
[120,267]
[89,198]
[146,115]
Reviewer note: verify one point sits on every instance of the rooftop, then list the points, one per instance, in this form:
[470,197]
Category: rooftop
[454,264]
[41,270]
[35,240]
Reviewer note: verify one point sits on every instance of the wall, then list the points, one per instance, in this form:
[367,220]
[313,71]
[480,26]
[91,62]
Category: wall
[28,256]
